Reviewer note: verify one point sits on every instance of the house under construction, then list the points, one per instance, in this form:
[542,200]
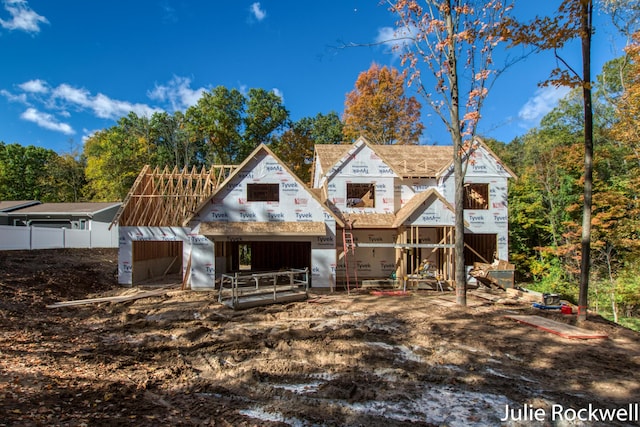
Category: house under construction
[371,213]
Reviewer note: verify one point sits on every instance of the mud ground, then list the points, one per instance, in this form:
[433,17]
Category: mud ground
[181,358]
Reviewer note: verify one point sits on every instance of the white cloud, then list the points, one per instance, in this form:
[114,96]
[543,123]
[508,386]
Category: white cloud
[257,12]
[73,95]
[21,98]
[178,93]
[101,105]
[65,100]
[544,100]
[397,39]
[46,121]
[22,17]
[278,93]
[34,86]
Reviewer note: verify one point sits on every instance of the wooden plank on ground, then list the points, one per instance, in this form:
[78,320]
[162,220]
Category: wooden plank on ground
[486,295]
[443,302]
[108,299]
[558,328]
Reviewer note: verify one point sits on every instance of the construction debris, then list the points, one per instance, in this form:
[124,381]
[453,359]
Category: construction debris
[499,274]
[557,328]
[119,298]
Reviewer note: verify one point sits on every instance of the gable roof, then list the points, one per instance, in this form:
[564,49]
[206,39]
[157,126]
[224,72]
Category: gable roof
[416,201]
[415,161]
[407,161]
[448,168]
[239,168]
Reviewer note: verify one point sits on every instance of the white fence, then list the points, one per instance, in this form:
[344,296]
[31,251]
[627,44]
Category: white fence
[20,238]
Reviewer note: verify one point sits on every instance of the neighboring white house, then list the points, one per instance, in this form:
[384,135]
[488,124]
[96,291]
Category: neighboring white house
[35,225]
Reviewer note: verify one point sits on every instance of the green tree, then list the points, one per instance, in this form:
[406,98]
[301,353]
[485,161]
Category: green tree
[215,124]
[115,157]
[266,118]
[22,170]
[379,109]
[64,178]
[171,136]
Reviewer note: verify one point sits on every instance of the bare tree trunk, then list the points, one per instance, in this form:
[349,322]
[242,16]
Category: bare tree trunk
[585,260]
[456,135]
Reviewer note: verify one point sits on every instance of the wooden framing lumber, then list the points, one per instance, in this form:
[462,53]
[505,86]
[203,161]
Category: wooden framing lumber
[169,197]
[120,298]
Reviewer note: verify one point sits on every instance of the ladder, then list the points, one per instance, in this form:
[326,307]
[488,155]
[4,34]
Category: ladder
[349,247]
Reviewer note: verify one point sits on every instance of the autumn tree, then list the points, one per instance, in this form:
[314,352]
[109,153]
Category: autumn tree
[573,20]
[452,42]
[627,127]
[295,146]
[379,109]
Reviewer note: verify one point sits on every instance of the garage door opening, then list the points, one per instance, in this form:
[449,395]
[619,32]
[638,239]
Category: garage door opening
[156,261]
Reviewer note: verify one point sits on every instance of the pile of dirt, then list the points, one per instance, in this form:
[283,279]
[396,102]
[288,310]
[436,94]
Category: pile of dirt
[181,358]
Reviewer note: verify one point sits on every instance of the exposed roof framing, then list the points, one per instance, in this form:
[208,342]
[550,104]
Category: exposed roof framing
[169,197]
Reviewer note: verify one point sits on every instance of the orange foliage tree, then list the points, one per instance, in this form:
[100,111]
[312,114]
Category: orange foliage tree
[452,42]
[627,128]
[379,110]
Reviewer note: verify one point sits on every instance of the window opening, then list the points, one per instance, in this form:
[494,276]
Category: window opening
[263,192]
[361,195]
[476,196]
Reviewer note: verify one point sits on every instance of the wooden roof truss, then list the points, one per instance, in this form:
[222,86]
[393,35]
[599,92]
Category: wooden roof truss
[166,197]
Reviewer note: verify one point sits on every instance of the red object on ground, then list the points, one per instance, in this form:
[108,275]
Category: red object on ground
[566,309]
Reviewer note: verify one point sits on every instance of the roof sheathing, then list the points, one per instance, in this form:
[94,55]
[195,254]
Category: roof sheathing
[407,161]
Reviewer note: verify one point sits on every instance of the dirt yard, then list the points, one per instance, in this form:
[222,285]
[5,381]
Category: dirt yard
[180,358]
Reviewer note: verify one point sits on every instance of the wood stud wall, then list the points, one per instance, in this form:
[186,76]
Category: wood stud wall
[444,255]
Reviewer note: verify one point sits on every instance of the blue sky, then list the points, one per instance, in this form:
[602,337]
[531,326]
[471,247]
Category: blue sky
[73,67]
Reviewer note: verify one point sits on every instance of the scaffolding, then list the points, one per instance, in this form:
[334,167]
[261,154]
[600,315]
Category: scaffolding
[240,291]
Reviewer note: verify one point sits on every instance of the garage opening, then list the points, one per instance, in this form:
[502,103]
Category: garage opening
[156,260]
[480,248]
[270,256]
